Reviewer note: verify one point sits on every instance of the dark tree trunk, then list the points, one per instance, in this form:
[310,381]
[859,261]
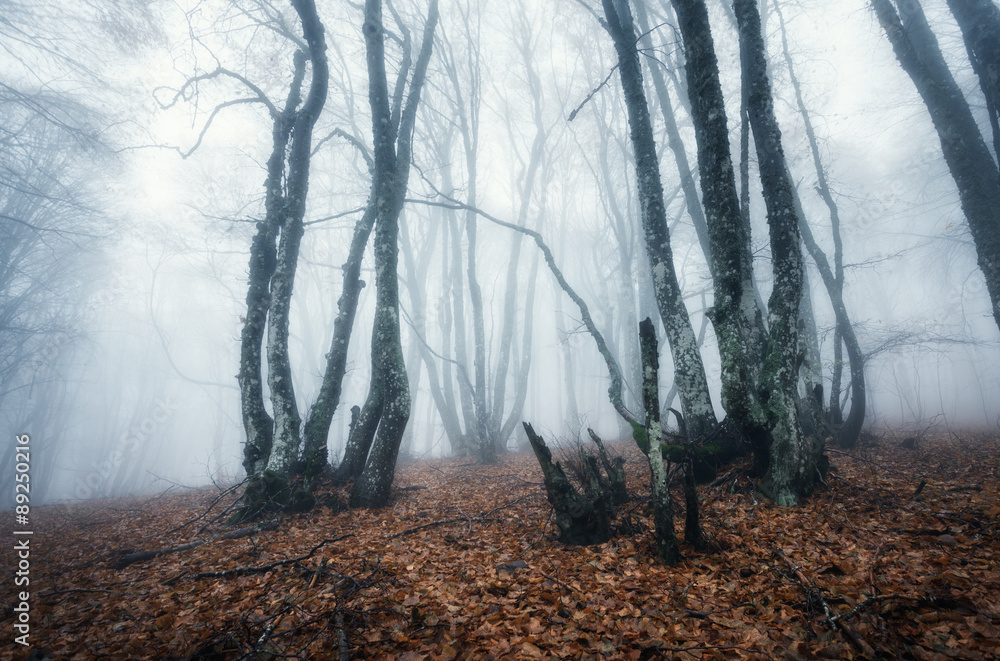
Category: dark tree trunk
[580,520]
[359,441]
[674,140]
[287,422]
[833,280]
[257,421]
[689,372]
[979,21]
[794,460]
[274,444]
[965,151]
[615,470]
[392,165]
[317,427]
[734,312]
[663,513]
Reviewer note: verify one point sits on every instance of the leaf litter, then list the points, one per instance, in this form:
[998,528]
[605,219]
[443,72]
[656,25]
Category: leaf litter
[898,556]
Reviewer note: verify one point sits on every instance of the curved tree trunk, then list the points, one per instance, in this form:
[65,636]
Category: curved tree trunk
[257,421]
[317,427]
[275,443]
[287,422]
[833,280]
[689,372]
[795,461]
[391,173]
[965,151]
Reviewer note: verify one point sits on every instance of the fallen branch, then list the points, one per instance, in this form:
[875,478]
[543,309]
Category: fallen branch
[814,595]
[482,518]
[263,569]
[947,603]
[208,509]
[139,556]
[342,638]
[432,524]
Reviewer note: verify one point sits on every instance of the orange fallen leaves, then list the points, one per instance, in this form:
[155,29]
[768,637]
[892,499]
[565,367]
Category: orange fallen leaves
[494,584]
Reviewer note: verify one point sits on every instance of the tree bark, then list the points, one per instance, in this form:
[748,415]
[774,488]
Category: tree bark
[979,21]
[734,311]
[274,444]
[580,520]
[287,421]
[663,513]
[965,151]
[792,470]
[674,141]
[689,372]
[257,422]
[392,166]
[833,280]
[317,427]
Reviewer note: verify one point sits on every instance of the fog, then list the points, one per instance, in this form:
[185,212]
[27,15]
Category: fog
[132,207]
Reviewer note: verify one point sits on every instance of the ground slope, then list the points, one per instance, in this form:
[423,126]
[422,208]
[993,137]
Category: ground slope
[464,565]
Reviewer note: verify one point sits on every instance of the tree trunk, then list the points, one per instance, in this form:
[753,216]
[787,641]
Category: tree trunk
[392,165]
[793,467]
[965,151]
[663,513]
[674,140]
[521,384]
[979,21]
[580,520]
[275,443]
[850,430]
[833,280]
[287,421]
[259,425]
[689,372]
[734,312]
[317,427]
[257,421]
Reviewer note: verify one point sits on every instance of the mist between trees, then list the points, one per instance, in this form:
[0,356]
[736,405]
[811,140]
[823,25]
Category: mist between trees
[227,224]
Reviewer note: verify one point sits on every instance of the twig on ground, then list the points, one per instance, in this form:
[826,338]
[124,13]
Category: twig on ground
[208,509]
[432,524]
[813,592]
[342,638]
[262,569]
[139,556]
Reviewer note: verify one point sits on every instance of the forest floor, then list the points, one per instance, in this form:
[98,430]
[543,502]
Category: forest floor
[464,565]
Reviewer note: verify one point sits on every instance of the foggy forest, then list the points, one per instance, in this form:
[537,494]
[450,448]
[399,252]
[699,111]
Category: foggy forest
[420,329]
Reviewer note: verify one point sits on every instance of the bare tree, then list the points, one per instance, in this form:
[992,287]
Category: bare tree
[979,21]
[794,463]
[388,403]
[973,168]
[273,444]
[833,280]
[689,372]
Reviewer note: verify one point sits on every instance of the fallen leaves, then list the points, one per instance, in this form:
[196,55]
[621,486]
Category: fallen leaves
[468,568]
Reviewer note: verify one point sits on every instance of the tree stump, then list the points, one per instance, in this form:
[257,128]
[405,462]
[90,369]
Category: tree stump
[581,520]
